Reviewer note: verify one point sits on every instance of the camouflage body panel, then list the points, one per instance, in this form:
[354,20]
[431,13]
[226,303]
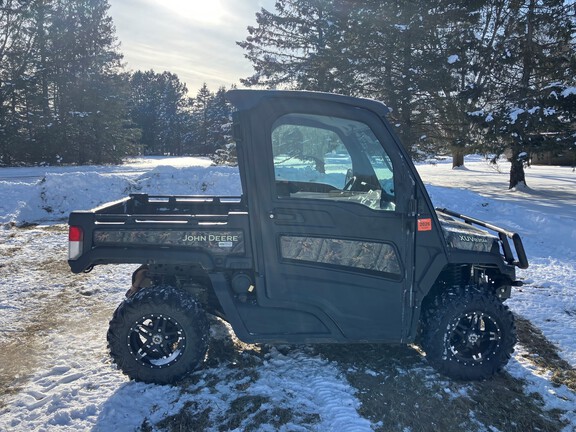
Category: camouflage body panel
[374,256]
[217,242]
[463,236]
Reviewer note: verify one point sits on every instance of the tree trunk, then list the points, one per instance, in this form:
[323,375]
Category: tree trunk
[457,157]
[517,175]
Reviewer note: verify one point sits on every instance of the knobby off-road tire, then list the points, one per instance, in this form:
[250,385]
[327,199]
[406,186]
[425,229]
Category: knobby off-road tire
[468,335]
[158,335]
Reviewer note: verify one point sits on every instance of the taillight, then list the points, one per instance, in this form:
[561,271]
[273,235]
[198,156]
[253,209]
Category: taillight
[75,237]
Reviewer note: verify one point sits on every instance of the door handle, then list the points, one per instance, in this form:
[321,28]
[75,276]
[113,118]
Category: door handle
[281,216]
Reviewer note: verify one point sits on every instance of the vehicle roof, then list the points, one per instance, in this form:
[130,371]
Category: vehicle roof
[245,99]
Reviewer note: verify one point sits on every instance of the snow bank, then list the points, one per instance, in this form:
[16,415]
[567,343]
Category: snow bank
[54,195]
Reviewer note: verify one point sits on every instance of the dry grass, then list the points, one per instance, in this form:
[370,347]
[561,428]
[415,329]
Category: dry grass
[398,389]
[19,355]
[190,418]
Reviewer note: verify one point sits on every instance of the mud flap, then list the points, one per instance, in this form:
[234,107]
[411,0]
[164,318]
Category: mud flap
[140,280]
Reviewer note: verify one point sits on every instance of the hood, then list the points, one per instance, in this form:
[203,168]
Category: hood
[463,236]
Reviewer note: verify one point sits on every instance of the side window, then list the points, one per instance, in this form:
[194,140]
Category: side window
[328,158]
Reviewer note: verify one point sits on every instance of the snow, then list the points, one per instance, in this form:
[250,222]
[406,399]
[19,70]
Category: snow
[453,58]
[68,383]
[514,113]
[569,91]
[44,195]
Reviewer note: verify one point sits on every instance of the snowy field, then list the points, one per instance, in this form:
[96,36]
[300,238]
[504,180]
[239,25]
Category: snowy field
[55,373]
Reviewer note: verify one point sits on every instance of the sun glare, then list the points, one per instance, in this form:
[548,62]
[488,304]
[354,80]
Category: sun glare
[206,11]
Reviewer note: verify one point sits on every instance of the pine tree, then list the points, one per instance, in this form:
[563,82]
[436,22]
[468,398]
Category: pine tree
[526,112]
[158,106]
[199,136]
[17,43]
[220,129]
[83,61]
[450,67]
[398,52]
[481,75]
[59,81]
[300,45]
[219,120]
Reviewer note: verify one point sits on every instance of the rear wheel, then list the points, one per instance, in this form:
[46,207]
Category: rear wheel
[468,334]
[158,335]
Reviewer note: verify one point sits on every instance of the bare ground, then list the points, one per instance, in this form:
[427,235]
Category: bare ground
[398,391]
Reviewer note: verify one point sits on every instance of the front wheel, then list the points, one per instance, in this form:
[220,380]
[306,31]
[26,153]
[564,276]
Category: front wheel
[468,334]
[158,335]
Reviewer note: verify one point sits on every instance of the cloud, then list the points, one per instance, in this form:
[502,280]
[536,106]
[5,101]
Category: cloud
[194,40]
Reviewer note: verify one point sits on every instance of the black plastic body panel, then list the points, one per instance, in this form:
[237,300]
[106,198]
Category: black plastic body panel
[146,229]
[353,305]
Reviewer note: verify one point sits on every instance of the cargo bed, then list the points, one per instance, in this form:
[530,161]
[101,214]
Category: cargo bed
[150,229]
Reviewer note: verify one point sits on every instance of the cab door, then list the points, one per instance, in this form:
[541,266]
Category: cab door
[332,229]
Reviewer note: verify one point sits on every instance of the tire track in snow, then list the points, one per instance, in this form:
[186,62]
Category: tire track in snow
[43,324]
[64,351]
[313,385]
[53,355]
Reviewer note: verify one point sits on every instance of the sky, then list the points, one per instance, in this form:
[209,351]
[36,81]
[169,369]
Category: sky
[195,39]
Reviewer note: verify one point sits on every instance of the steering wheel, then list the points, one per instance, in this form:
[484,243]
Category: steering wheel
[349,180]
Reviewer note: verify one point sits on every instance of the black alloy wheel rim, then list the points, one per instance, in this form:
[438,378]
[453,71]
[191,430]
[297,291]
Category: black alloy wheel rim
[473,338]
[156,341]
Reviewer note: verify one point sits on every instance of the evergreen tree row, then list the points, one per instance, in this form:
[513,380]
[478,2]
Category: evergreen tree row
[459,76]
[64,97]
[171,123]
[60,89]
